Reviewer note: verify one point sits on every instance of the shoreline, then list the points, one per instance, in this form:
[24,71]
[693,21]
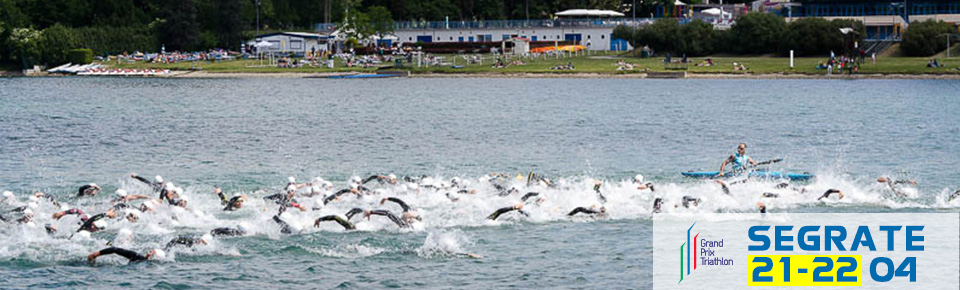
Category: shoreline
[538,75]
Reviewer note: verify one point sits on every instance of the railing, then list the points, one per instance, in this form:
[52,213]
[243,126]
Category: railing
[510,24]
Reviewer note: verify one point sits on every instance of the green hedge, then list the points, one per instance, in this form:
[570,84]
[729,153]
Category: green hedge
[80,56]
[926,38]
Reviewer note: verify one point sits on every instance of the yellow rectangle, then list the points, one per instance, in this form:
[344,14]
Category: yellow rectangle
[804,270]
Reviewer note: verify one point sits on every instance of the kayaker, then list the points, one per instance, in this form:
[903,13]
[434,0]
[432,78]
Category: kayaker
[739,160]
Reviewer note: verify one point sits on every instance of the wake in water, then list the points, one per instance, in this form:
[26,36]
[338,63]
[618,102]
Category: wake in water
[160,220]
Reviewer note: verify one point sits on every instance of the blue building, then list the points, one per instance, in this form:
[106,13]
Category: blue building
[884,19]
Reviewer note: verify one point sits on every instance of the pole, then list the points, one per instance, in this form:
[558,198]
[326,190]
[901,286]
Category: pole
[258,18]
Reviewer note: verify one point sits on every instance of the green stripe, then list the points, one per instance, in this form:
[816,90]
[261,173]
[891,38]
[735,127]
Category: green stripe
[681,262]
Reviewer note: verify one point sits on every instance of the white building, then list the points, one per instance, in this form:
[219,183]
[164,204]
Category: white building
[300,43]
[598,38]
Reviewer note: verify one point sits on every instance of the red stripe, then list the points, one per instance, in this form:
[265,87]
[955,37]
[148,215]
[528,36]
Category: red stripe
[695,251]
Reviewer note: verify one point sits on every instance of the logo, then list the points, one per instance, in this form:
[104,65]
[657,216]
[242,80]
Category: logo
[688,252]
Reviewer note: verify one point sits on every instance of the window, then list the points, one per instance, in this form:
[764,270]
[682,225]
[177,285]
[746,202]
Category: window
[505,37]
[588,36]
[296,44]
[274,44]
[601,36]
[409,38]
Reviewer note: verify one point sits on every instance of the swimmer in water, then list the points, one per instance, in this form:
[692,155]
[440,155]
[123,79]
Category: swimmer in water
[354,189]
[284,226]
[389,179]
[830,192]
[896,185]
[132,256]
[409,214]
[641,185]
[123,197]
[347,225]
[657,204]
[596,188]
[73,211]
[235,202]
[953,196]
[602,212]
[96,222]
[89,190]
[689,201]
[188,241]
[533,194]
[228,232]
[762,208]
[518,208]
[157,183]
[400,222]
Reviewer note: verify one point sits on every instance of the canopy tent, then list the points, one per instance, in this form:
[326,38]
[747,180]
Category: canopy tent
[714,12]
[263,43]
[589,13]
[678,3]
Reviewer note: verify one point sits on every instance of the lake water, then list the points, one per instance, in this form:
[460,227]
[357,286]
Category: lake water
[248,135]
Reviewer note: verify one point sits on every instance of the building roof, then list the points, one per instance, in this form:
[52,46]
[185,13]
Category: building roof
[297,34]
[590,12]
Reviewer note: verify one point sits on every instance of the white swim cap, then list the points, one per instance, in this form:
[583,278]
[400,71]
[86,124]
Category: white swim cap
[207,238]
[178,190]
[100,224]
[121,192]
[159,254]
[391,176]
[456,180]
[291,188]
[168,185]
[93,184]
[150,204]
[184,198]
[327,184]
[33,198]
[356,179]
[638,178]
[291,179]
[354,186]
[243,227]
[28,212]
[8,194]
[158,178]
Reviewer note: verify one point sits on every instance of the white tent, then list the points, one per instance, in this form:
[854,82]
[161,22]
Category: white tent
[714,12]
[590,13]
[263,43]
[678,3]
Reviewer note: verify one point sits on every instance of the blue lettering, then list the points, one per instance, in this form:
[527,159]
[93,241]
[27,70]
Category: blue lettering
[780,238]
[911,238]
[752,233]
[890,230]
[838,240]
[815,246]
[863,231]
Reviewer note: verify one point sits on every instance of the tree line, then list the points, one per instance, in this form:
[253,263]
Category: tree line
[764,33]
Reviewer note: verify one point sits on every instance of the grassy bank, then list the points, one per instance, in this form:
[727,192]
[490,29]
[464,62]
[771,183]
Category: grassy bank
[598,64]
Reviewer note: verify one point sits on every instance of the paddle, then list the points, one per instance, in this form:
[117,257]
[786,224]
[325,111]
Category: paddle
[752,166]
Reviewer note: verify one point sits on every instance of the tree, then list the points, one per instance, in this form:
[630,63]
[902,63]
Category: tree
[381,22]
[696,38]
[661,35]
[230,28]
[55,41]
[926,38]
[758,33]
[25,45]
[180,29]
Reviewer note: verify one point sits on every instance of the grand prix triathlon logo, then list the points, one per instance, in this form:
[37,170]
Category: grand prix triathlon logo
[705,250]
[688,253]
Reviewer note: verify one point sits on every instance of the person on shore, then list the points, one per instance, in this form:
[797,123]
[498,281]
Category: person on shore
[131,256]
[739,160]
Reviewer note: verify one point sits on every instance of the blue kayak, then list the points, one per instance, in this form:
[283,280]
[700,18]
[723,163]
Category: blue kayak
[758,173]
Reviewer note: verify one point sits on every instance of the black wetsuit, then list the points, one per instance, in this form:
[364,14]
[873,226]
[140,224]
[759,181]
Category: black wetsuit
[504,210]
[284,227]
[529,195]
[402,204]
[954,196]
[231,204]
[86,190]
[353,212]
[223,199]
[603,199]
[585,211]
[502,191]
[88,224]
[828,193]
[156,186]
[230,232]
[392,217]
[186,241]
[130,255]
[689,200]
[770,195]
[347,225]
[763,209]
[335,195]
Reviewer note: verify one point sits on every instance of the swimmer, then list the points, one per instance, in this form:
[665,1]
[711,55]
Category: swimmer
[188,241]
[157,183]
[641,185]
[689,201]
[389,179]
[829,192]
[762,208]
[532,194]
[400,222]
[953,196]
[96,222]
[219,193]
[353,212]
[235,202]
[347,225]
[228,232]
[132,256]
[89,190]
[657,204]
[123,197]
[770,195]
[293,182]
[895,185]
[596,188]
[602,212]
[284,227]
[518,208]
[73,211]
[52,199]
[354,189]
[409,213]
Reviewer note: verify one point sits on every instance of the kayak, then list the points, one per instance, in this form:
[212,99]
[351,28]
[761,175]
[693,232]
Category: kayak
[758,173]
